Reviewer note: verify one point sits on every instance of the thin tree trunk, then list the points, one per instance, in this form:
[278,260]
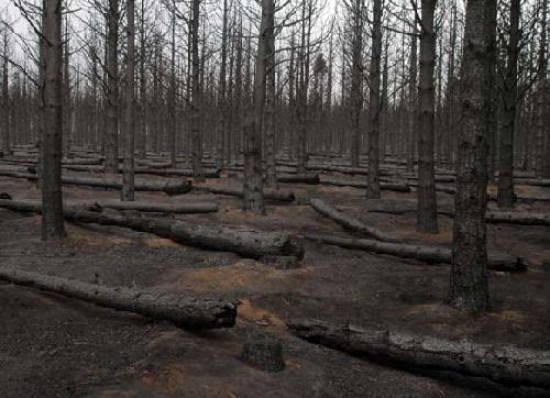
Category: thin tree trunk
[427,199]
[196,93]
[111,142]
[128,171]
[357,10]
[6,125]
[373,188]
[271,171]
[506,196]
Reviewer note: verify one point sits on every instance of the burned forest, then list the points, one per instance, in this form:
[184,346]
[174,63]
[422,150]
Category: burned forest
[274,198]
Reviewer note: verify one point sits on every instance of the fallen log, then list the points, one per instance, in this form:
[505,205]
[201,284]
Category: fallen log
[432,255]
[349,222]
[188,312]
[268,247]
[491,216]
[168,187]
[278,195]
[98,205]
[506,364]
[161,172]
[311,179]
[387,186]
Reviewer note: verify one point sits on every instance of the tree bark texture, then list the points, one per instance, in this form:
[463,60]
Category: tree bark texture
[500,363]
[469,284]
[185,312]
[52,148]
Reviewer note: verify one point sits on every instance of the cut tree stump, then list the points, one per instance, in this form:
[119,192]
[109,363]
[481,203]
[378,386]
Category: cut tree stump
[264,352]
[263,246]
[506,364]
[349,222]
[429,254]
[278,195]
[168,187]
[204,313]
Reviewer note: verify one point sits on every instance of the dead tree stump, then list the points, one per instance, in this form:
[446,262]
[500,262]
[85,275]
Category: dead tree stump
[264,352]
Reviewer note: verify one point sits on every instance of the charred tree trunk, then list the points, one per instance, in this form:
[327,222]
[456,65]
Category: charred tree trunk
[349,222]
[503,364]
[469,284]
[506,196]
[128,183]
[185,312]
[253,175]
[373,188]
[426,220]
[52,148]
[111,141]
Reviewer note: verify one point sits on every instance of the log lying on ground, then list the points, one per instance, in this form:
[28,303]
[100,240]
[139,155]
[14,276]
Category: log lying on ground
[212,173]
[98,205]
[492,216]
[429,254]
[278,195]
[349,222]
[387,186]
[168,187]
[311,179]
[264,246]
[204,313]
[500,363]
[72,161]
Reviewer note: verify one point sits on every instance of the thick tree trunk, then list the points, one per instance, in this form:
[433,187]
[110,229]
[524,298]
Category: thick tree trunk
[430,254]
[504,364]
[373,188]
[349,222]
[185,312]
[253,175]
[52,148]
[469,288]
[506,196]
[427,199]
[128,181]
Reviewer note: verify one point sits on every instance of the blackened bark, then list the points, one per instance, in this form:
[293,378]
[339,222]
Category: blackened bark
[52,198]
[112,111]
[505,195]
[426,220]
[469,284]
[128,170]
[373,188]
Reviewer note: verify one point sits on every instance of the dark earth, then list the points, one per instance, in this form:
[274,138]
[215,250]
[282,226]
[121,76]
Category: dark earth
[51,346]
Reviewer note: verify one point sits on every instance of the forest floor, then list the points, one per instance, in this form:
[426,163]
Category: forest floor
[51,346]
